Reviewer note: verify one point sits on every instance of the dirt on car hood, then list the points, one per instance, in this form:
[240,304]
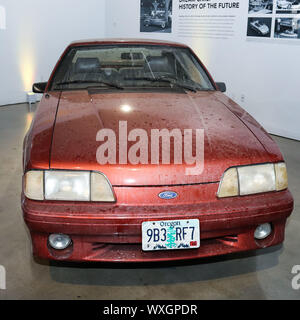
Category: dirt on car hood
[81,114]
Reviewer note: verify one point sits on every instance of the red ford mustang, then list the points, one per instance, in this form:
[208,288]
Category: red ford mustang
[135,155]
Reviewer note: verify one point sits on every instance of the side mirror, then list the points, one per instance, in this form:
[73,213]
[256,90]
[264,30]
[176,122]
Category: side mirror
[39,87]
[221,86]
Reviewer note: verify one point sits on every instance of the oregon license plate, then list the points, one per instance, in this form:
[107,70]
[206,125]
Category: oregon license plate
[171,235]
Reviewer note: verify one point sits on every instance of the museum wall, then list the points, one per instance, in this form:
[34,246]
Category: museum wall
[261,73]
[33,35]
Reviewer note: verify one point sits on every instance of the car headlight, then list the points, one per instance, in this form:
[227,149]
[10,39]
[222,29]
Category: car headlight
[67,185]
[253,179]
[60,185]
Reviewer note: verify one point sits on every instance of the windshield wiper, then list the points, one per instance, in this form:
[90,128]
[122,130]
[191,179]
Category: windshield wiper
[169,80]
[109,84]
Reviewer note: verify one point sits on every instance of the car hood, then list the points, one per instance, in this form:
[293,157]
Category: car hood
[80,115]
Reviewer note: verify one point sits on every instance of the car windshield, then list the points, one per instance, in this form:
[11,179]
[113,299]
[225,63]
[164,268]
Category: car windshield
[130,66]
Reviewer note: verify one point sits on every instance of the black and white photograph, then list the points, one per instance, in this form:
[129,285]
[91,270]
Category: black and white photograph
[287,28]
[287,6]
[259,27]
[260,6]
[156,16]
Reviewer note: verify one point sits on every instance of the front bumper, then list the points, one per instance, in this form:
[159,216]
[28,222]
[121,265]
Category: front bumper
[112,233]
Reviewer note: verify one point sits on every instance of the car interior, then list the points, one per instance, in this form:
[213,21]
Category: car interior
[131,67]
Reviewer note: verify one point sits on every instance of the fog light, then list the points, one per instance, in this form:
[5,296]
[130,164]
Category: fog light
[59,241]
[263,231]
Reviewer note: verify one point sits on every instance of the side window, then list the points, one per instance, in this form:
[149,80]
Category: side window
[193,70]
[180,71]
[190,68]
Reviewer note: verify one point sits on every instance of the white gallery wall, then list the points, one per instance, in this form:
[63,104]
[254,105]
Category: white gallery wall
[34,33]
[262,75]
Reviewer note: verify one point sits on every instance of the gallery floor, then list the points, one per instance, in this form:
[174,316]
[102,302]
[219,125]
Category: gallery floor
[264,274]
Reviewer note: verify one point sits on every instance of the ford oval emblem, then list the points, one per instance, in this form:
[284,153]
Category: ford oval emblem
[168,195]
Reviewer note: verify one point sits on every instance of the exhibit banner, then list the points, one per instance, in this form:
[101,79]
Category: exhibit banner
[191,18]
[222,19]
[208,19]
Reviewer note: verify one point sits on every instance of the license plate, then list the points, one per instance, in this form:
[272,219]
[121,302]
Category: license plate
[170,235]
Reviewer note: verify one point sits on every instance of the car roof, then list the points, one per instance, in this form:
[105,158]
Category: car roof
[125,41]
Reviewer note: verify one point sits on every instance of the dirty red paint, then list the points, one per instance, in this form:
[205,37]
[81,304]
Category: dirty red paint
[63,136]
